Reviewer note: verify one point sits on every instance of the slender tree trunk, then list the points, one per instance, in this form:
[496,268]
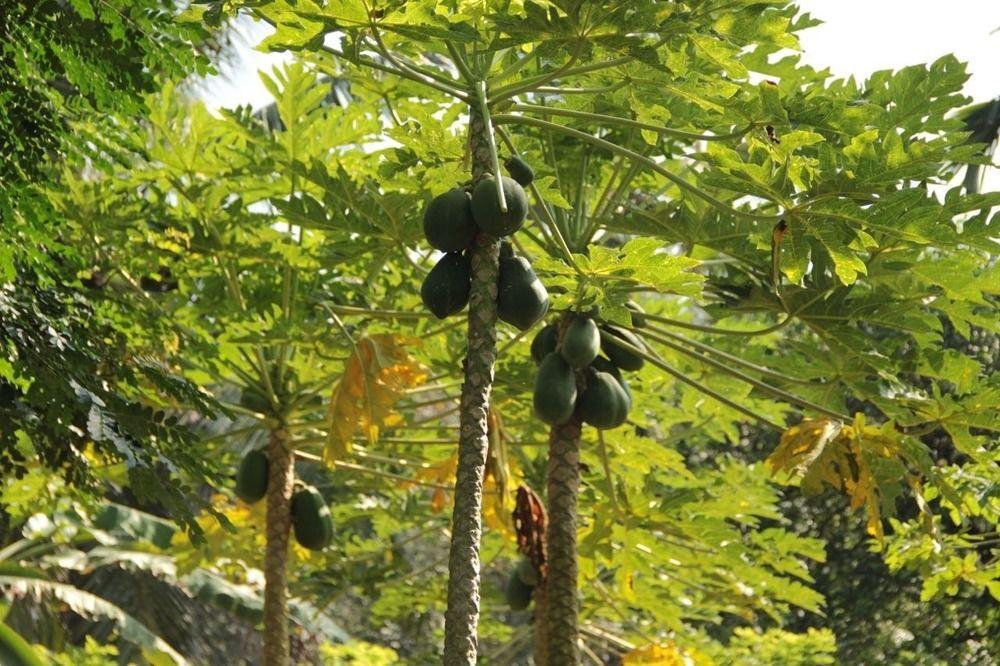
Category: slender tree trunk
[281,477]
[462,616]
[561,599]
[541,630]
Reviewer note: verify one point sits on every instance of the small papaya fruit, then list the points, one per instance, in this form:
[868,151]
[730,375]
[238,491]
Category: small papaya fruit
[448,223]
[445,290]
[581,343]
[486,208]
[255,401]
[517,592]
[506,250]
[611,343]
[602,364]
[251,477]
[603,403]
[555,390]
[521,297]
[638,314]
[544,343]
[526,572]
[311,519]
[520,171]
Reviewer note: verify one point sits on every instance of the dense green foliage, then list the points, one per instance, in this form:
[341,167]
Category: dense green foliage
[801,259]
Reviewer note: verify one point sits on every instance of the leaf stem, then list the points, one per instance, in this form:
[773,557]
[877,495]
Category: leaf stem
[491,141]
[653,166]
[756,383]
[615,120]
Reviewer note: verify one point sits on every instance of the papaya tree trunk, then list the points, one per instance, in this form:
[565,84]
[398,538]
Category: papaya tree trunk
[281,478]
[541,632]
[462,615]
[561,599]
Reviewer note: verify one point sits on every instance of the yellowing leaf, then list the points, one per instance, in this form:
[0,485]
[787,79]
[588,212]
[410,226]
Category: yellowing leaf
[863,462]
[665,654]
[502,477]
[443,474]
[375,377]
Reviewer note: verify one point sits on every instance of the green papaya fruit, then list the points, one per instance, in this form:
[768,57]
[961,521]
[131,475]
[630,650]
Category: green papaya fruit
[486,208]
[602,364]
[311,519]
[254,401]
[520,171]
[521,297]
[506,250]
[251,477]
[15,651]
[448,223]
[638,314]
[517,592]
[611,343]
[603,403]
[544,343]
[526,572]
[445,290]
[555,390]
[581,343]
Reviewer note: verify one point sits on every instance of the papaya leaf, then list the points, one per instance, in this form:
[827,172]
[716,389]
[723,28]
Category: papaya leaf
[376,376]
[867,464]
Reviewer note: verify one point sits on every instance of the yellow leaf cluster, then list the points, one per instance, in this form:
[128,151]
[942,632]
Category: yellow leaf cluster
[376,375]
[825,451]
[664,654]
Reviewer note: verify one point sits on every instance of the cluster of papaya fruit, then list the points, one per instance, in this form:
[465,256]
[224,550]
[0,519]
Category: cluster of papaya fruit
[521,583]
[311,519]
[574,378]
[451,223]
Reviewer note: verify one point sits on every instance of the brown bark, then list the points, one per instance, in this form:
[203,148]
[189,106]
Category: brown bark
[281,478]
[561,597]
[541,619]
[462,615]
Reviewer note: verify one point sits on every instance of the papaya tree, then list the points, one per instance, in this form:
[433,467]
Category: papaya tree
[213,228]
[794,198]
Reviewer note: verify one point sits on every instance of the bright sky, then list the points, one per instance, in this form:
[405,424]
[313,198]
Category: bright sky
[857,38]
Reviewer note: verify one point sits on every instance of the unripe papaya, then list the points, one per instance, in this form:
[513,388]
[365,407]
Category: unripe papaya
[517,592]
[521,297]
[526,572]
[626,359]
[445,290]
[638,314]
[602,364]
[311,519]
[486,208]
[581,342]
[603,403]
[254,401]
[251,477]
[544,343]
[506,250]
[520,171]
[555,390]
[448,223]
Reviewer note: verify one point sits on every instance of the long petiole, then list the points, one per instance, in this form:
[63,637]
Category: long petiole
[615,120]
[653,166]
